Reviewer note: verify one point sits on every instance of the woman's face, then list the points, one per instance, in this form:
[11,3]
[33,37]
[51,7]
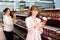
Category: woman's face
[34,12]
[8,12]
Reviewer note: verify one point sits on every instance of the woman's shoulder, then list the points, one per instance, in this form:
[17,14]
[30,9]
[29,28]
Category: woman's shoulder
[28,18]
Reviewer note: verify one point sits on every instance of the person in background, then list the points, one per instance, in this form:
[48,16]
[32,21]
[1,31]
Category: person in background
[33,24]
[8,24]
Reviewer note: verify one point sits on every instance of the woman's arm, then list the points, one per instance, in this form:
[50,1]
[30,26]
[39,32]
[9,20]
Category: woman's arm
[29,25]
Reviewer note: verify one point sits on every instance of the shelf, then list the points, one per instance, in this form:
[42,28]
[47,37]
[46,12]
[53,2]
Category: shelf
[20,26]
[51,18]
[20,31]
[19,34]
[21,15]
[47,27]
[52,9]
[52,14]
[49,33]
[46,1]
[6,3]
[52,28]
[54,18]
[46,37]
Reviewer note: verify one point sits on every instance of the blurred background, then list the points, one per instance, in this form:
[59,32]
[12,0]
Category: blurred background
[50,9]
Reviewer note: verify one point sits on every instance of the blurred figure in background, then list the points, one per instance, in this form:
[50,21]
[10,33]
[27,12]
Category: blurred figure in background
[8,24]
[2,36]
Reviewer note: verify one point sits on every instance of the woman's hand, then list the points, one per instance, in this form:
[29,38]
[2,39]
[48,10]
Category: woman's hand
[14,20]
[37,26]
[40,25]
[43,23]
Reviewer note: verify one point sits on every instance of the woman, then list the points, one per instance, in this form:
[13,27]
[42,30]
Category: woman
[8,24]
[33,24]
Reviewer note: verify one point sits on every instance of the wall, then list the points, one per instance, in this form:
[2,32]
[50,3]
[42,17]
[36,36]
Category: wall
[16,4]
[4,5]
[57,3]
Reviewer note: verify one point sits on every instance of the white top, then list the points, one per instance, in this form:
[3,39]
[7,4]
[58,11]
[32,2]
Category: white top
[8,23]
[30,23]
[33,34]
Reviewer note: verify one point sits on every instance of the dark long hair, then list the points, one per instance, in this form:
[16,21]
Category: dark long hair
[6,9]
[32,8]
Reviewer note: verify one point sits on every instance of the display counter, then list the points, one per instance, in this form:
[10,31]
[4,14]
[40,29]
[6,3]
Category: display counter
[49,31]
